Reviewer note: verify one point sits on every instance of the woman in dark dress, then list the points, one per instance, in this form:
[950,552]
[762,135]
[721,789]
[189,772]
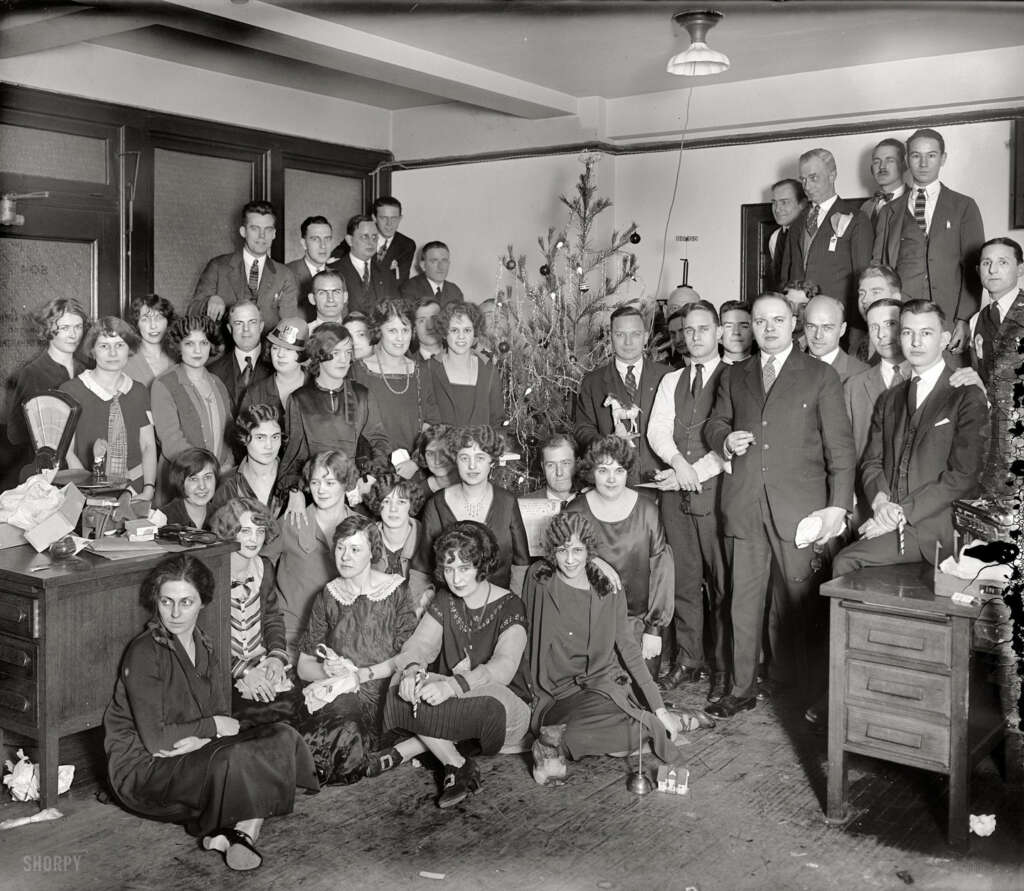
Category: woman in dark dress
[398,382]
[174,752]
[467,388]
[358,623]
[474,451]
[193,481]
[395,501]
[462,676]
[585,660]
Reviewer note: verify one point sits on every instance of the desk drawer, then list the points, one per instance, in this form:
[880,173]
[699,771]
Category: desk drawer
[898,687]
[899,636]
[18,615]
[903,738]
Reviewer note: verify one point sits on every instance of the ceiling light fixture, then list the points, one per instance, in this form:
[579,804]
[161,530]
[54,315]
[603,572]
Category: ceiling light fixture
[698,59]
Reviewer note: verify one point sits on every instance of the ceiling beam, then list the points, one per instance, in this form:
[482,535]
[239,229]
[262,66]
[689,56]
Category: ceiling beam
[274,29]
[65,28]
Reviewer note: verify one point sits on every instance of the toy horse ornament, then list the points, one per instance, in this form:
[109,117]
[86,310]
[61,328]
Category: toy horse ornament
[625,419]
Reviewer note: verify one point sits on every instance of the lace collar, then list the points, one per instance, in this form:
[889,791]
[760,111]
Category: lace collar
[89,381]
[385,588]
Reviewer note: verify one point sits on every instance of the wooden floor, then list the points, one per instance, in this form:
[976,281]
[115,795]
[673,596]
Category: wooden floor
[753,820]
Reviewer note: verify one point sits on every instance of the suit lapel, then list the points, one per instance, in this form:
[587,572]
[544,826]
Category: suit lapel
[754,380]
[934,405]
[239,278]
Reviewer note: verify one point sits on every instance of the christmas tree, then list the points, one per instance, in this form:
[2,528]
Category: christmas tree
[549,334]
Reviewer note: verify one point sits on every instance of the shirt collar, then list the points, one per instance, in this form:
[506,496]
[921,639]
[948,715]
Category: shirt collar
[240,355]
[247,259]
[931,190]
[830,358]
[930,376]
[710,364]
[311,266]
[360,265]
[1006,301]
[554,496]
[638,367]
[825,207]
[123,385]
[780,358]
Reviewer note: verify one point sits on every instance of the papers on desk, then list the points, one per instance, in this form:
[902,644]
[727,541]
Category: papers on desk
[115,548]
[537,513]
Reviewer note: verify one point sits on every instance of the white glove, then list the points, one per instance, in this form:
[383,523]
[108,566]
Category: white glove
[650,646]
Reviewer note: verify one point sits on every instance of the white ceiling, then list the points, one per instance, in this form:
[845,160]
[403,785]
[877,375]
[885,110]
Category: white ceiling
[531,59]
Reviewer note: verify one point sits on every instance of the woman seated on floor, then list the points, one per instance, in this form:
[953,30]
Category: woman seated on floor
[259,656]
[396,501]
[473,639]
[358,623]
[193,482]
[585,662]
[174,752]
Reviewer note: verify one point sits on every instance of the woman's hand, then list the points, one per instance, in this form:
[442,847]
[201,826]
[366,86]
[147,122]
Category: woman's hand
[337,666]
[183,747]
[436,691]
[296,509]
[670,722]
[226,725]
[256,686]
[407,469]
[274,670]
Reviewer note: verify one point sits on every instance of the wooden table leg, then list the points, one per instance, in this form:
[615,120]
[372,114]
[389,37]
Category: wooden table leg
[837,757]
[49,760]
[959,772]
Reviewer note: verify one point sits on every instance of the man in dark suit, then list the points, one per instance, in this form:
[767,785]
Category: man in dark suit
[925,450]
[995,329]
[628,378]
[824,324]
[779,418]
[558,461]
[831,240]
[241,366]
[365,283]
[675,351]
[394,252]
[888,165]
[317,237]
[432,283]
[932,239]
[788,202]
[690,514]
[249,273]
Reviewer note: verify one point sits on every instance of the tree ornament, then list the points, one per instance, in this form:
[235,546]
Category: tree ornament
[545,270]
[579,270]
[510,265]
[634,238]
[504,347]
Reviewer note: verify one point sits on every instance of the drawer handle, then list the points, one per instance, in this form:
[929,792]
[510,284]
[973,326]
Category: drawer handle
[13,701]
[11,612]
[889,639]
[897,737]
[892,688]
[14,656]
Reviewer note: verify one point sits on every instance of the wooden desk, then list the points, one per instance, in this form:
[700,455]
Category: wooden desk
[904,685]
[62,635]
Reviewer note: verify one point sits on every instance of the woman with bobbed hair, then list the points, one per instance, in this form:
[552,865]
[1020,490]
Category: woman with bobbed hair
[395,502]
[474,450]
[115,410]
[285,350]
[60,325]
[191,406]
[467,389]
[585,661]
[174,752]
[150,316]
[397,382]
[357,625]
[462,676]
[192,481]
[330,412]
[629,536]
[307,556]
[436,468]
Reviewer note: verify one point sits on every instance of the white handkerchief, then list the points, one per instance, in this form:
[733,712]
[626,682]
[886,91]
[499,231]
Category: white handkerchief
[807,531]
[943,421]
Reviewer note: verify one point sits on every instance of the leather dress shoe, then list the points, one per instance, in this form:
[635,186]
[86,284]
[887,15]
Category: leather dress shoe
[730,705]
[681,674]
[719,686]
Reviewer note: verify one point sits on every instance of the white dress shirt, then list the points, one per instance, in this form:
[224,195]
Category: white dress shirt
[622,367]
[247,259]
[928,379]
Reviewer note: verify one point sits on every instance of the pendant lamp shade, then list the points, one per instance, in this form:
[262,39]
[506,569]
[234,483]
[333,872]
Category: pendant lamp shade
[698,59]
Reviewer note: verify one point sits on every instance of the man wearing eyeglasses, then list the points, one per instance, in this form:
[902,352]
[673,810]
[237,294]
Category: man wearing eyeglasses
[241,367]
[317,238]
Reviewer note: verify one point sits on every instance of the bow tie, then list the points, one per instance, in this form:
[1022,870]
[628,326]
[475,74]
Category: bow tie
[885,196]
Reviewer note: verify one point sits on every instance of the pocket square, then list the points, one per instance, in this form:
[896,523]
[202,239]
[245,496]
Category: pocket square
[943,421]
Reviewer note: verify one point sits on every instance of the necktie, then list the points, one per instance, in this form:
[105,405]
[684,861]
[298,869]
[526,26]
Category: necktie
[897,377]
[437,290]
[630,380]
[247,372]
[812,221]
[382,250]
[912,395]
[768,374]
[254,276]
[697,380]
[884,196]
[117,443]
[366,272]
[993,315]
[919,199]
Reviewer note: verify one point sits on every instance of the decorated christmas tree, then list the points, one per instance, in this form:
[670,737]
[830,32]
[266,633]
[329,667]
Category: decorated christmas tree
[550,332]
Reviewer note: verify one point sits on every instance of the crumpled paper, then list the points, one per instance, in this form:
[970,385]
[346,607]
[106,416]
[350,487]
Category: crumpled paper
[983,824]
[974,570]
[23,779]
[27,505]
[318,693]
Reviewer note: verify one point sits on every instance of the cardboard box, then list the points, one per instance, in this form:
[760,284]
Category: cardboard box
[56,526]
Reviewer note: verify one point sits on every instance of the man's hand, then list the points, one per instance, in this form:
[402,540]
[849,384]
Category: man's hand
[685,475]
[966,377]
[833,521]
[215,307]
[888,515]
[961,336]
[737,442]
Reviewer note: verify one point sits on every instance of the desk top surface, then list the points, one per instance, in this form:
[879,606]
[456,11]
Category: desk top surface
[906,586]
[22,564]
